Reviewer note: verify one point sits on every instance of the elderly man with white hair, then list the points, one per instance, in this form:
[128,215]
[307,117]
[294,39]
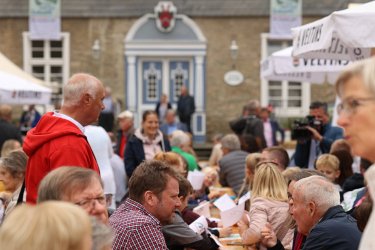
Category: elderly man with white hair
[318,214]
[126,129]
[232,165]
[178,140]
[58,139]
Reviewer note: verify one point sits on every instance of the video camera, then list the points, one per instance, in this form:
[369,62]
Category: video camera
[299,130]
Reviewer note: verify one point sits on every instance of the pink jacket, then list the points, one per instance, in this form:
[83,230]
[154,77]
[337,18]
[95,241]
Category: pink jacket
[276,213]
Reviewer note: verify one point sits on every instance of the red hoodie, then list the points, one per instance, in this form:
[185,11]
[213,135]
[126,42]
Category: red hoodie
[53,143]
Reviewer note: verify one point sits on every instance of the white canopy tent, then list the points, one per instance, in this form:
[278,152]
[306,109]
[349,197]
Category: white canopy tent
[19,87]
[16,90]
[347,34]
[282,66]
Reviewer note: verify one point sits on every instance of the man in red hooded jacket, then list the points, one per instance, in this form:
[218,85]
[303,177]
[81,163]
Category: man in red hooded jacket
[58,138]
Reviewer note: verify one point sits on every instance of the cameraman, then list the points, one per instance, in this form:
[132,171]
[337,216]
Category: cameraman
[249,128]
[321,141]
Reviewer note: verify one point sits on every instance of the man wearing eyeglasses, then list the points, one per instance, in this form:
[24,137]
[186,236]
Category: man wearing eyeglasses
[77,185]
[320,142]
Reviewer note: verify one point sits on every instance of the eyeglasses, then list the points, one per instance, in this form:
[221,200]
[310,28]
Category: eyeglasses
[350,106]
[89,203]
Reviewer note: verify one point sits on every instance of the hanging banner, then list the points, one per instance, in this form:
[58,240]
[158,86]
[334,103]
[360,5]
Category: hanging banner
[284,15]
[44,19]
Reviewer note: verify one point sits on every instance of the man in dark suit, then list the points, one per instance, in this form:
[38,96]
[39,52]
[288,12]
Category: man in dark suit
[270,128]
[185,107]
[8,130]
[170,125]
[320,142]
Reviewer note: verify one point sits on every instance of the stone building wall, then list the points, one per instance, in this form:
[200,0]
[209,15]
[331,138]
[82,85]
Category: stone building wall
[223,102]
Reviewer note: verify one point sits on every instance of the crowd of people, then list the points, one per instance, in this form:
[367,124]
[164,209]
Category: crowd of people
[95,189]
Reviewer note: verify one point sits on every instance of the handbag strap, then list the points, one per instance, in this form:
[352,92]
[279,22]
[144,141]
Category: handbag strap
[20,196]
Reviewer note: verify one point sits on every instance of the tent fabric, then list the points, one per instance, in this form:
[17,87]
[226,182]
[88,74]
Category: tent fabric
[281,65]
[16,90]
[19,87]
[347,34]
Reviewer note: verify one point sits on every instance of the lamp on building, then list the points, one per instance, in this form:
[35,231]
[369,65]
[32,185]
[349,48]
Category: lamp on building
[233,52]
[233,77]
[96,49]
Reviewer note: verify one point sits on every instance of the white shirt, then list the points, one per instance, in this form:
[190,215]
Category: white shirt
[62,116]
[102,147]
[121,181]
[267,131]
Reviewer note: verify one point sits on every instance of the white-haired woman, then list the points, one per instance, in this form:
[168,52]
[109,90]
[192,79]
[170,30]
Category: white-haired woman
[356,88]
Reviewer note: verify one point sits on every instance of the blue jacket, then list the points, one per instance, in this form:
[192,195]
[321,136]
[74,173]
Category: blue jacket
[302,154]
[335,231]
[180,126]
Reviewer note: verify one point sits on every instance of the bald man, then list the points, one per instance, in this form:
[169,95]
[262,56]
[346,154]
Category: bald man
[58,139]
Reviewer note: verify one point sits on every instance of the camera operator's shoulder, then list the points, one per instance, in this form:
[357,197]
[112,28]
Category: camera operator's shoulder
[339,132]
[237,125]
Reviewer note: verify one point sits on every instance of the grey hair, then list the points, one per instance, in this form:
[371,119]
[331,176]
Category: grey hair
[15,163]
[319,190]
[78,85]
[62,182]
[364,69]
[231,142]
[171,111]
[102,235]
[179,138]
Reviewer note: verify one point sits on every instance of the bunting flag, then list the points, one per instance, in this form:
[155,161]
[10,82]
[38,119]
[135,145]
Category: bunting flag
[284,15]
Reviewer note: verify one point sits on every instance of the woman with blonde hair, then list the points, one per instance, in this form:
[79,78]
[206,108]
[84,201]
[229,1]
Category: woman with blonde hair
[174,160]
[356,88]
[8,146]
[269,204]
[52,225]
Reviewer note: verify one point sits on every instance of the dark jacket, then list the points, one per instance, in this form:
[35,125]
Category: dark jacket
[353,182]
[185,108]
[169,106]
[135,154]
[302,154]
[276,128]
[8,131]
[179,236]
[335,231]
[119,136]
[249,130]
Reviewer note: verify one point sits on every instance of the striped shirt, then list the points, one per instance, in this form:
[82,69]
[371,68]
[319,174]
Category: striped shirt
[232,169]
[136,228]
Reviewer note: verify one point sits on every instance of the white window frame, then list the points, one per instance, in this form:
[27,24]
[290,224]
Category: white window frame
[165,77]
[47,61]
[283,111]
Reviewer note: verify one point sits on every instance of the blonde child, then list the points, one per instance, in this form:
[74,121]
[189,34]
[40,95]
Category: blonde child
[251,161]
[329,165]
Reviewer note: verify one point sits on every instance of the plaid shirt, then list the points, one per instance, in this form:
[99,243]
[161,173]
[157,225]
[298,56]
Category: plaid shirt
[136,228]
